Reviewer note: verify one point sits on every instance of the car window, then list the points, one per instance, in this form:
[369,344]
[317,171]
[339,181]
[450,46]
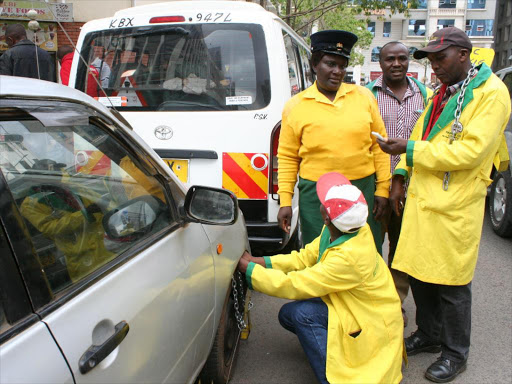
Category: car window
[507,79]
[193,67]
[84,198]
[293,67]
[306,67]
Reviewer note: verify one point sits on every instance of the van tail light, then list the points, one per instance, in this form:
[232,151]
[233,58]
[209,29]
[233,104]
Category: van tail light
[166,19]
[274,144]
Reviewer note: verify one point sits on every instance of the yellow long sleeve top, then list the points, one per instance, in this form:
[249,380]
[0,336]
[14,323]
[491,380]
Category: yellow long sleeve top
[319,136]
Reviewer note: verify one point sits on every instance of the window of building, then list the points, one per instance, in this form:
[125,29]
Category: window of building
[476,4]
[371,27]
[375,54]
[479,27]
[417,27]
[498,36]
[447,3]
[386,31]
[422,4]
[444,23]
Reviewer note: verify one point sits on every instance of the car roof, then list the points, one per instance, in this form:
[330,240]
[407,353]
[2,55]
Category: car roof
[503,71]
[27,88]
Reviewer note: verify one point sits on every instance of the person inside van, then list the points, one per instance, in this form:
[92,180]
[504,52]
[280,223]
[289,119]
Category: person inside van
[347,313]
[327,128]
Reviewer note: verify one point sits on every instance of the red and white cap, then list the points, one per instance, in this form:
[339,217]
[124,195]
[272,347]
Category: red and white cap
[344,202]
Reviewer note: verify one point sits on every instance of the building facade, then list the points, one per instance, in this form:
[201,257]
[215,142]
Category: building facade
[476,17]
[503,35]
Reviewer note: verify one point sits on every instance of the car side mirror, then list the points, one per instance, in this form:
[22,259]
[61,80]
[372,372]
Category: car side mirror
[133,218]
[208,205]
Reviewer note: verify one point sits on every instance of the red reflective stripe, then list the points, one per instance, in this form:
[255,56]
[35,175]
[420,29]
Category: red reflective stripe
[241,178]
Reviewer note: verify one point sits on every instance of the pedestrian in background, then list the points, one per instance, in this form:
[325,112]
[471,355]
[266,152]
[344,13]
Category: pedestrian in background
[346,312]
[448,159]
[65,54]
[401,101]
[24,58]
[327,128]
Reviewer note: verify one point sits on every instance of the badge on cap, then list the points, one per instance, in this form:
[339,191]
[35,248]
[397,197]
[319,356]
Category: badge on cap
[339,46]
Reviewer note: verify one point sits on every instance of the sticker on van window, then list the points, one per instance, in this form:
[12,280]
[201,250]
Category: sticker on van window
[214,17]
[238,100]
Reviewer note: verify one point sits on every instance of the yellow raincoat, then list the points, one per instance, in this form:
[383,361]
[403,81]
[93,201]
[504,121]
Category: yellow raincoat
[354,282]
[441,229]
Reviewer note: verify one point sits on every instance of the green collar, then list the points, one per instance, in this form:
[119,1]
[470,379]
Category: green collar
[484,72]
[326,238]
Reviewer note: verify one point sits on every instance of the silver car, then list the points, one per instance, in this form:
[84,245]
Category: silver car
[500,191]
[111,270]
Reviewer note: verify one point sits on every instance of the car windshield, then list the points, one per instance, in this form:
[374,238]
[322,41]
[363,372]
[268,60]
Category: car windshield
[199,67]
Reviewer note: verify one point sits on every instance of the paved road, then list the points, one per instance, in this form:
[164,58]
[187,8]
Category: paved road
[273,355]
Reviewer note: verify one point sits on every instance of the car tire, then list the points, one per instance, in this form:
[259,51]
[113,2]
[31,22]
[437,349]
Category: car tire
[500,204]
[221,361]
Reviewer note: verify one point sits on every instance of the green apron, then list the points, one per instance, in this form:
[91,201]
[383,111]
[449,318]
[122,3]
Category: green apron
[309,209]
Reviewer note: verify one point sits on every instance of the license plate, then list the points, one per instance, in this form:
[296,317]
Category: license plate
[179,167]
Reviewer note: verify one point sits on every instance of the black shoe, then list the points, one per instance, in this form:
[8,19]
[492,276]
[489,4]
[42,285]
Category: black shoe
[417,343]
[444,370]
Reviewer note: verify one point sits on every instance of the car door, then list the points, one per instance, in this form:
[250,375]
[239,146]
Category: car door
[135,308]
[28,352]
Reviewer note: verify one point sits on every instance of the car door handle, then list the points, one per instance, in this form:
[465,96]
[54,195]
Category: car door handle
[96,353]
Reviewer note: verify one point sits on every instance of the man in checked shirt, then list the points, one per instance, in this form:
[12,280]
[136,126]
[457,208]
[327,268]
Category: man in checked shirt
[401,101]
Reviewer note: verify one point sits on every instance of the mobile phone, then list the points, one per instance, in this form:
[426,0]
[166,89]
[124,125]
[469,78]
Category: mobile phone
[379,136]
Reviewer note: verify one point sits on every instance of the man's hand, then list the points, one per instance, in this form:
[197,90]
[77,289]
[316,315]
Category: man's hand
[393,146]
[246,259]
[397,194]
[380,207]
[284,218]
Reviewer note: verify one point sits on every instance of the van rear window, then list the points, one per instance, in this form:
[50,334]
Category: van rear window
[195,67]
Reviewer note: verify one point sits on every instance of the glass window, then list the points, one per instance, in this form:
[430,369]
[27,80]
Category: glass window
[375,54]
[447,3]
[476,4]
[67,181]
[422,4]
[306,67]
[293,64]
[507,79]
[371,27]
[445,23]
[479,27]
[386,30]
[187,68]
[417,27]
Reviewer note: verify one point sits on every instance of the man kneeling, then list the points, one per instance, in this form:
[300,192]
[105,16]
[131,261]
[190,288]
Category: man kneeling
[348,314]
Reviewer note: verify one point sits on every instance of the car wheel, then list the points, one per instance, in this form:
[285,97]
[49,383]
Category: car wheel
[500,204]
[220,362]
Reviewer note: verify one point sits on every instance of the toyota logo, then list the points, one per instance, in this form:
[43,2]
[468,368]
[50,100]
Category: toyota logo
[163,132]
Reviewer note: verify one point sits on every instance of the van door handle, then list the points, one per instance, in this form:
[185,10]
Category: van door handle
[96,353]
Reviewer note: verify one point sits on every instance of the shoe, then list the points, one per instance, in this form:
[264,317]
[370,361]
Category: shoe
[416,343]
[444,370]
[406,320]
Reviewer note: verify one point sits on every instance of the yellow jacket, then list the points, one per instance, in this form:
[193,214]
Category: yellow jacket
[78,237]
[320,136]
[355,284]
[441,229]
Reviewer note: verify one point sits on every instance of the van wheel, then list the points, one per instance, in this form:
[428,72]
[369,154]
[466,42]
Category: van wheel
[500,204]
[222,356]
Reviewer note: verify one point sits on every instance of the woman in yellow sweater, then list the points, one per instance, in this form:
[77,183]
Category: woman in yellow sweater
[327,128]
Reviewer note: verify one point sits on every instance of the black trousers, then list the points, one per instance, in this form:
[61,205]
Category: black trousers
[443,313]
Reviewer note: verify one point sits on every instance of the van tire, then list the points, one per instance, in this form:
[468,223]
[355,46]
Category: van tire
[500,204]
[223,353]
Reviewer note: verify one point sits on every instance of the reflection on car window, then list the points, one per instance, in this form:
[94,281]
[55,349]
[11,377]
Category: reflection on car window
[65,180]
[200,67]
[293,71]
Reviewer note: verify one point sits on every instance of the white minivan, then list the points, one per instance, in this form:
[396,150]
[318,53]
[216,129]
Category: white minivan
[204,84]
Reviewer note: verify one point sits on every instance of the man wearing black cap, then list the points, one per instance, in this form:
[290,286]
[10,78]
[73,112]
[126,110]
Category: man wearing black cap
[449,158]
[327,128]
